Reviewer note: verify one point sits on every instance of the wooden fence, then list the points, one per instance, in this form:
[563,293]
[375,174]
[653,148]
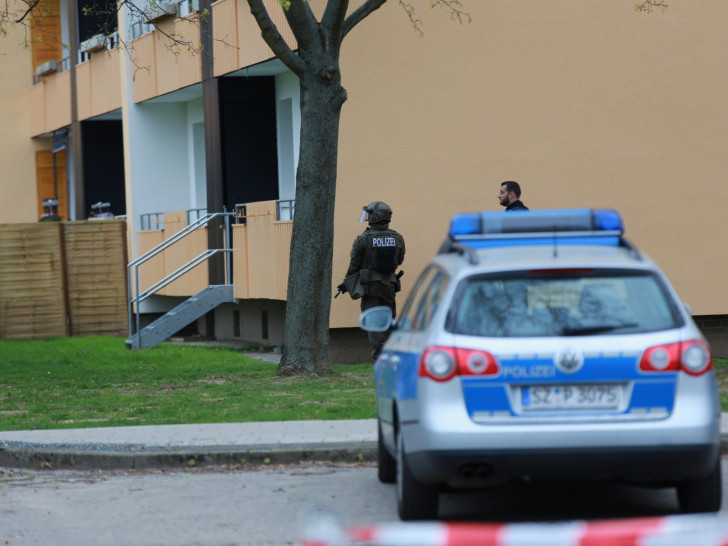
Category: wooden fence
[63,279]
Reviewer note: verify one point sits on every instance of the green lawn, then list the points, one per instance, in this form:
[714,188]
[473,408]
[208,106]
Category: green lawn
[721,375]
[97,381]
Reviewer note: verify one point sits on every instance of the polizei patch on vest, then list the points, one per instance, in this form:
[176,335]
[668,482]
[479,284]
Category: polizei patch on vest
[383,241]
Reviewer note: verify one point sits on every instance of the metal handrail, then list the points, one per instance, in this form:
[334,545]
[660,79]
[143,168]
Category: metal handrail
[177,273]
[135,264]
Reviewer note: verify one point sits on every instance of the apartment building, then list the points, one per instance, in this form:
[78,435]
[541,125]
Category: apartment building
[585,104]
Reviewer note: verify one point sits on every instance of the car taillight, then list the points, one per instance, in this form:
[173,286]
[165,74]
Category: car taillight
[692,357]
[696,358]
[444,363]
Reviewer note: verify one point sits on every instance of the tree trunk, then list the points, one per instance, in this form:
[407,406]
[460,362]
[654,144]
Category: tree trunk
[305,349]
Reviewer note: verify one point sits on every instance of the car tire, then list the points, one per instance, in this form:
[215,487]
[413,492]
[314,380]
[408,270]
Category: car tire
[415,500]
[701,495]
[387,472]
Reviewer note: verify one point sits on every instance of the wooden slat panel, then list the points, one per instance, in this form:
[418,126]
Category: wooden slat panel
[144,79]
[181,253]
[31,281]
[58,97]
[253,48]
[105,81]
[177,67]
[284,231]
[96,272]
[240,262]
[189,63]
[261,241]
[39,261]
[225,30]
[173,258]
[152,270]
[83,90]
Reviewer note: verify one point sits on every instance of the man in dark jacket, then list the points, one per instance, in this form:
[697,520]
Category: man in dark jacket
[510,196]
[375,256]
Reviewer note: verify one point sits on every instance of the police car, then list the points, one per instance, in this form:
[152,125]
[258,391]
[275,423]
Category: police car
[543,345]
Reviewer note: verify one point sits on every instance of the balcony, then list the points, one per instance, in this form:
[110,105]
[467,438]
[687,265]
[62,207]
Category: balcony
[98,86]
[261,246]
[237,37]
[167,66]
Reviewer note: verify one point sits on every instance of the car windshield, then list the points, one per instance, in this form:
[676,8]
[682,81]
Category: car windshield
[562,303]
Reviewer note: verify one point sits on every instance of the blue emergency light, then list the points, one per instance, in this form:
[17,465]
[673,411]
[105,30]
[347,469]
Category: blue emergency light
[517,228]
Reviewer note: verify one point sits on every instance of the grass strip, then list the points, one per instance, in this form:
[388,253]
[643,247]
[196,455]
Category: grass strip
[96,381]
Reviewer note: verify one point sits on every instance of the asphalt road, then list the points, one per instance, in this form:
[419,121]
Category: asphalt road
[268,505]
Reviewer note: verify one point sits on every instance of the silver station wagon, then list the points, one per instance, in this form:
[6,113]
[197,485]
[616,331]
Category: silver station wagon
[543,345]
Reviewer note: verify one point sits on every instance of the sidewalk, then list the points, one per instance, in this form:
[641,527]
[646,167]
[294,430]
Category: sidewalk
[190,445]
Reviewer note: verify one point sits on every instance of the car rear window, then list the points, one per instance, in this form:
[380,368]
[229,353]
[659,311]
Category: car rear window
[562,303]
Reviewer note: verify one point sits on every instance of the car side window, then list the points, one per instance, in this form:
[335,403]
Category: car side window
[424,301]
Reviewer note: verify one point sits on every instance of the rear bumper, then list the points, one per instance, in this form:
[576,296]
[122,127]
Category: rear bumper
[663,464]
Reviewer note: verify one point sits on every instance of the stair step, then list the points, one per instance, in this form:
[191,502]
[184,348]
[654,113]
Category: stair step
[185,313]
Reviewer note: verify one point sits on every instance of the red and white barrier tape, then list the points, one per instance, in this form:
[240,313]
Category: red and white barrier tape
[688,530]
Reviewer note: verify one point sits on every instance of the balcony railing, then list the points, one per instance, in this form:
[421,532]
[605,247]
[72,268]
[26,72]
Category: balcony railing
[152,220]
[286,208]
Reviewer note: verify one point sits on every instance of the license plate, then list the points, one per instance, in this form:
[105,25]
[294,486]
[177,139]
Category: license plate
[570,397]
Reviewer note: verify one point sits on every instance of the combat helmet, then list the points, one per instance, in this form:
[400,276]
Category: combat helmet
[378,212]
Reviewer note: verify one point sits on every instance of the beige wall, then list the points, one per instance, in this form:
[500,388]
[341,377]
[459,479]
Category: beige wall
[586,104]
[17,150]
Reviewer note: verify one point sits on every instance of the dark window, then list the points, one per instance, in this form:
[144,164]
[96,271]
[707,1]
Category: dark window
[96,17]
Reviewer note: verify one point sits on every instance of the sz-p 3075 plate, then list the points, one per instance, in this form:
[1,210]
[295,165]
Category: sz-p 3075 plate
[571,397]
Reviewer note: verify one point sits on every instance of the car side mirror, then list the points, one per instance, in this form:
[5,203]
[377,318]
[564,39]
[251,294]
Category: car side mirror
[376,319]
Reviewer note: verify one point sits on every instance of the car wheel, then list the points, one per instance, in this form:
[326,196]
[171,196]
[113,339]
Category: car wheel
[387,464]
[702,495]
[415,500]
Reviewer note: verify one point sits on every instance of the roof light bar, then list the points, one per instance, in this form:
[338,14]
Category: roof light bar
[578,226]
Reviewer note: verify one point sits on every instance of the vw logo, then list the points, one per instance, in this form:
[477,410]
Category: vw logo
[569,360]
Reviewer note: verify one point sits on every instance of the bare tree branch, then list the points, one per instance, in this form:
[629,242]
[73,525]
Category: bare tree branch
[30,8]
[361,13]
[454,6]
[649,5]
[332,22]
[456,9]
[303,23]
[273,38]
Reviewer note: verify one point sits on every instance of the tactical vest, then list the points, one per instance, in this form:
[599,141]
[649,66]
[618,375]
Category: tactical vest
[383,251]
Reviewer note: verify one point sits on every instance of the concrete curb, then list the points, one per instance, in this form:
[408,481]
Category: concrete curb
[91,458]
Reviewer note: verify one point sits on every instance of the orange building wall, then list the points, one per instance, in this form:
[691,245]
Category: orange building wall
[586,104]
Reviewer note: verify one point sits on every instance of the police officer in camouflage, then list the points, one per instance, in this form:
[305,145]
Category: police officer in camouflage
[375,256]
